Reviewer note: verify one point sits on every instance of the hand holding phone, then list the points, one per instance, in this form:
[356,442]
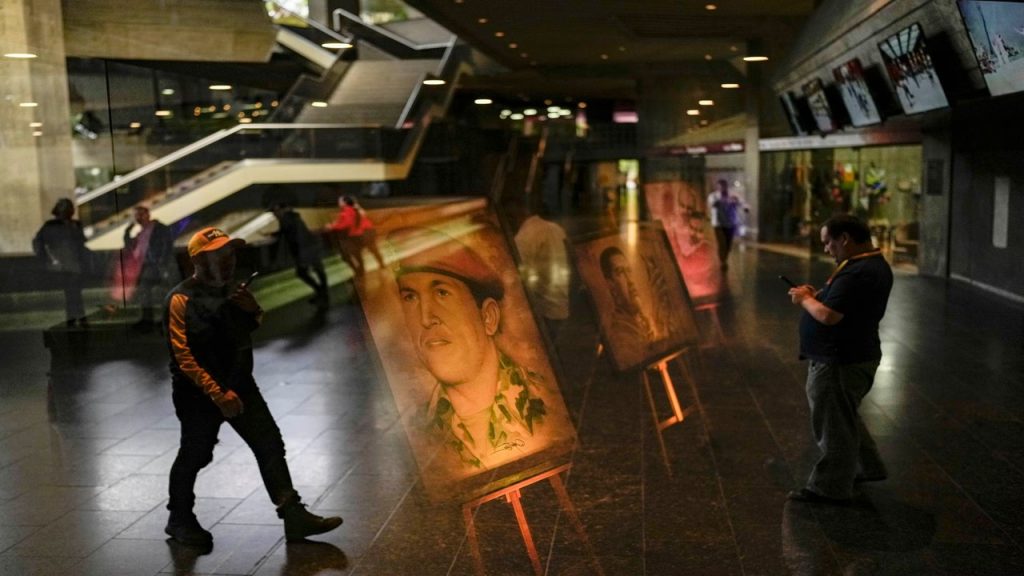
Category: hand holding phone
[787,281]
[245,283]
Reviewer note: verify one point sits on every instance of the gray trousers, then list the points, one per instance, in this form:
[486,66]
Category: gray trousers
[834,392]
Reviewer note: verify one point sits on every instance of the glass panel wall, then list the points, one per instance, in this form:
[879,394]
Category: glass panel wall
[882,185]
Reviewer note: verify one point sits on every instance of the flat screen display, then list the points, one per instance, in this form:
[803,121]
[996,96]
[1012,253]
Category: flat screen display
[912,72]
[792,114]
[997,34]
[855,93]
[818,102]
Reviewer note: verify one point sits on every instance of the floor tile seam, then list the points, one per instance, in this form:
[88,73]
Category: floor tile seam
[718,479]
[584,402]
[384,525]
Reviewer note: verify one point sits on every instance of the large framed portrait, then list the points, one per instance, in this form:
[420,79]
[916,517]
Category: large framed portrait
[642,305]
[682,210]
[462,352]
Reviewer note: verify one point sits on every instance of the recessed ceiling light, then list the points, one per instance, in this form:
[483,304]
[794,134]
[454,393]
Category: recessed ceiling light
[245,120]
[482,20]
[20,55]
[505,112]
[319,104]
[604,56]
[524,55]
[516,116]
[533,62]
[483,101]
[581,105]
[530,112]
[693,112]
[733,49]
[513,45]
[28,104]
[703,122]
[434,82]
[622,48]
[35,124]
[162,113]
[220,86]
[730,85]
[707,56]
[135,125]
[336,45]
[167,91]
[706,102]
[553,108]
[755,58]
[499,34]
[711,7]
[37,133]
[459,1]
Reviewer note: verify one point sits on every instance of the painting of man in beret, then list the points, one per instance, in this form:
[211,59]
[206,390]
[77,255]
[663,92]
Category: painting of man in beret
[464,357]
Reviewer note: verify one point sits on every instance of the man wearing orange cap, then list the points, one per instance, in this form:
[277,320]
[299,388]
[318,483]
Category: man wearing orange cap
[208,327]
[485,407]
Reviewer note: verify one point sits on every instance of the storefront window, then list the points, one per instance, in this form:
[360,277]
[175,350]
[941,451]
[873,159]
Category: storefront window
[882,185]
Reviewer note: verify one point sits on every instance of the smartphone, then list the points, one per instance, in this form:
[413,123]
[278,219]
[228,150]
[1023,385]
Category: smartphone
[787,281]
[245,283]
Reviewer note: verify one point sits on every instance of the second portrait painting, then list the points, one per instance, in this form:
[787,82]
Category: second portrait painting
[642,305]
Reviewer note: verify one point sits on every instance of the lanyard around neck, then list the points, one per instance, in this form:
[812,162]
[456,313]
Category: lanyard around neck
[847,261]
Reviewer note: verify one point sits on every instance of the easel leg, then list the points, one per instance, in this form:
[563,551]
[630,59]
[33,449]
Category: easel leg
[670,391]
[474,544]
[524,528]
[657,423]
[563,498]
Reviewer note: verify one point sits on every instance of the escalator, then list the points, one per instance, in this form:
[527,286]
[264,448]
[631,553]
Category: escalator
[358,121]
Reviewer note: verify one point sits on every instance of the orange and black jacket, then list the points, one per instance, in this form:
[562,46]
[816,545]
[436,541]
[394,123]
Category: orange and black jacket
[209,338]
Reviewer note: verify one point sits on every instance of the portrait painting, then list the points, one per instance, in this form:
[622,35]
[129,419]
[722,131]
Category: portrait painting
[642,305]
[682,210]
[462,352]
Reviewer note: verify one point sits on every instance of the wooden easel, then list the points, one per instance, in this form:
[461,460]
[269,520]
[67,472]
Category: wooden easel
[717,334]
[678,414]
[513,495]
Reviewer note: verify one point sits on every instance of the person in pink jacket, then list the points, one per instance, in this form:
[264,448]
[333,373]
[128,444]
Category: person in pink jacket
[355,231]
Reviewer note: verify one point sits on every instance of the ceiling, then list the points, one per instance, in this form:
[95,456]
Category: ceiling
[598,48]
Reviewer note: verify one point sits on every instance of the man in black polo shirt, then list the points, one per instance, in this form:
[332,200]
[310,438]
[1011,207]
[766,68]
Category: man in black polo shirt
[839,336]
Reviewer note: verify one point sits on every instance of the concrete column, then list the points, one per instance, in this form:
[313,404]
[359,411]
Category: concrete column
[934,223]
[35,160]
[752,138]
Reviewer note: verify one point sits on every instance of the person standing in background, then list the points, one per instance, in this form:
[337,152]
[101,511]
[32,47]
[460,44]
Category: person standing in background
[545,268]
[724,207]
[355,231]
[306,251]
[152,250]
[60,244]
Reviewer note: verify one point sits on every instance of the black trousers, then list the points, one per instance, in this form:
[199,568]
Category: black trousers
[724,234]
[200,422]
[319,285]
[72,285]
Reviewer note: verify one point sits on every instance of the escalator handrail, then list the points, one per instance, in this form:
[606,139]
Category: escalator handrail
[440,72]
[338,13]
[199,145]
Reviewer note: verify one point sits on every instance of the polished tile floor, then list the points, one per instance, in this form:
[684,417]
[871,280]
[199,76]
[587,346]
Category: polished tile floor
[85,449]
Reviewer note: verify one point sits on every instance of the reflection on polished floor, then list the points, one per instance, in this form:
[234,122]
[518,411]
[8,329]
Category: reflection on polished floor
[85,450]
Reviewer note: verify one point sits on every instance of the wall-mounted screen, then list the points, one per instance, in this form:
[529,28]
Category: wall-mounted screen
[820,110]
[792,113]
[912,72]
[997,34]
[854,90]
